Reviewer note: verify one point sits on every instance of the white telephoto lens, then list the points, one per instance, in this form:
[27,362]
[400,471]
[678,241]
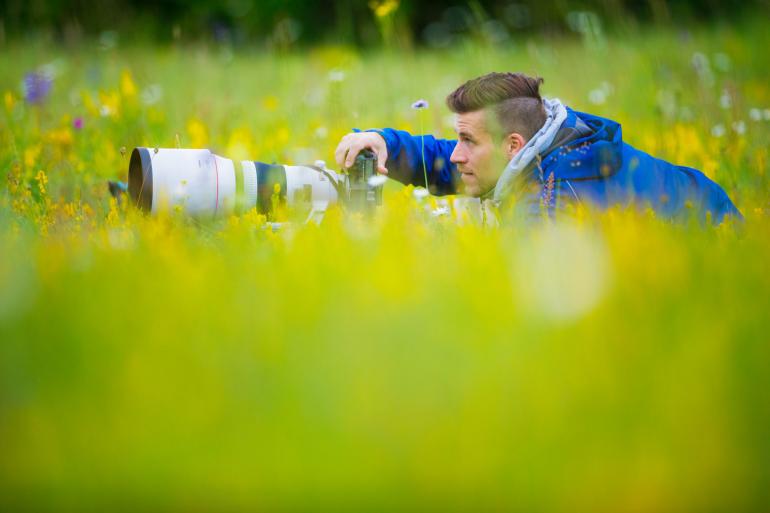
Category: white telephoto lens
[195,181]
[309,185]
[249,174]
[201,183]
[295,186]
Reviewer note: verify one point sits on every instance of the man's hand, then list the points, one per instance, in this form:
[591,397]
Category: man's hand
[353,143]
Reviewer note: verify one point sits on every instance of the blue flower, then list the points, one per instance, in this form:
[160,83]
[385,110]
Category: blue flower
[420,104]
[37,86]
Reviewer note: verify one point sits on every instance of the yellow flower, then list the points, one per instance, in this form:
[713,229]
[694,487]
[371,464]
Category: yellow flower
[110,103]
[10,101]
[275,201]
[88,102]
[270,103]
[127,86]
[42,180]
[282,136]
[709,167]
[113,216]
[240,145]
[31,155]
[199,137]
[61,137]
[384,8]
[70,210]
[14,178]
[254,218]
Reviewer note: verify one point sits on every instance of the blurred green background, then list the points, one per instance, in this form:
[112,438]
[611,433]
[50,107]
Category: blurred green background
[290,22]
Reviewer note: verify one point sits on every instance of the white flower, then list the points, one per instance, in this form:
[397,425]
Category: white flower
[420,193]
[321,132]
[597,96]
[739,127]
[755,114]
[725,101]
[420,104]
[377,180]
[336,75]
[718,130]
[151,94]
[699,61]
[440,211]
[702,67]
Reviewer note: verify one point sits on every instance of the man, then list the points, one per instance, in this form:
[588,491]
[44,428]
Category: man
[534,156]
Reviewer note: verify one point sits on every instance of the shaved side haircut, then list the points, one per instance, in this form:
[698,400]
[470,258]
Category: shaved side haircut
[514,97]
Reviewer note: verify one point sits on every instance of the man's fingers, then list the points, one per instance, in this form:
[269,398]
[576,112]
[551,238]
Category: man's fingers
[351,144]
[382,158]
[341,152]
[352,154]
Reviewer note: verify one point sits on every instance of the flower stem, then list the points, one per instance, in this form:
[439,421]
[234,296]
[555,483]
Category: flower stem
[422,150]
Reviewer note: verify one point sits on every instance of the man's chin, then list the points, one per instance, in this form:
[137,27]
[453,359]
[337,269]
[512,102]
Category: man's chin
[474,191]
[471,189]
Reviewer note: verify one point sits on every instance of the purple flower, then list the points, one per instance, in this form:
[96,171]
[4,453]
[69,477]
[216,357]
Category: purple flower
[77,123]
[420,104]
[36,87]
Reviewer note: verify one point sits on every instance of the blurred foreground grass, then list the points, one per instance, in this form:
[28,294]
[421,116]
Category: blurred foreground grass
[610,363]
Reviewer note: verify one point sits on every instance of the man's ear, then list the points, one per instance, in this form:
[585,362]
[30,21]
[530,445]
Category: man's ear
[512,144]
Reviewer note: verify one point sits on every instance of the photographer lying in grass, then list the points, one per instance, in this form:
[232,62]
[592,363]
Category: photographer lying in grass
[531,155]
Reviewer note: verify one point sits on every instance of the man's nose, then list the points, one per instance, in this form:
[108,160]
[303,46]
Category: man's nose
[457,156]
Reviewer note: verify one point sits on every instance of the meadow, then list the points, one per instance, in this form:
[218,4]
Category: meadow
[607,362]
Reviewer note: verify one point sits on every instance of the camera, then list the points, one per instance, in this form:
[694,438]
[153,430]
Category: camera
[200,183]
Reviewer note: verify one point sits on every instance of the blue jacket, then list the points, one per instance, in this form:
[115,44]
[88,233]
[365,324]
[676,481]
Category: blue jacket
[588,162]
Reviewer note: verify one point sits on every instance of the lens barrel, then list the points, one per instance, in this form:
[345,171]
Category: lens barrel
[201,183]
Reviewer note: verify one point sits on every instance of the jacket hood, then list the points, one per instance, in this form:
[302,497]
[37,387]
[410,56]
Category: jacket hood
[586,147]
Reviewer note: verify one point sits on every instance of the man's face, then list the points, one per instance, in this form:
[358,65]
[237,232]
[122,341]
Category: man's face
[478,156]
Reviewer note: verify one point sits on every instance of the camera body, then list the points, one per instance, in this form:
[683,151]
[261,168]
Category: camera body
[202,184]
[362,192]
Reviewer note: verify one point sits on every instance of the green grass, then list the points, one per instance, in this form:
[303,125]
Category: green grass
[608,363]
